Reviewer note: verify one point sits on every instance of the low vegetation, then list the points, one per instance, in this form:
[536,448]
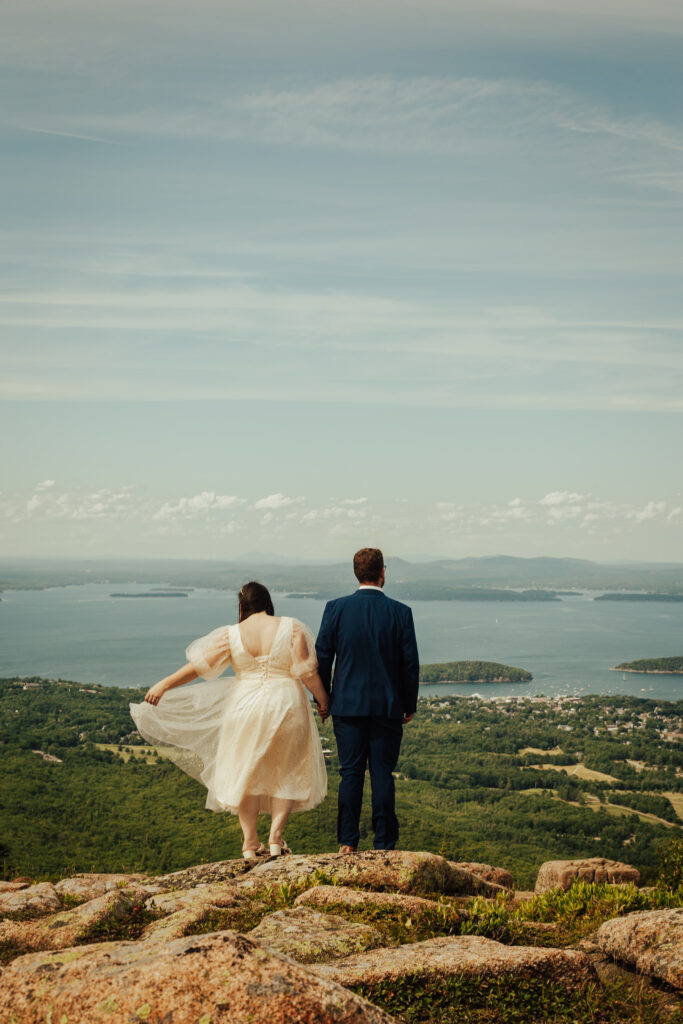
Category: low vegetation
[512,1000]
[477,781]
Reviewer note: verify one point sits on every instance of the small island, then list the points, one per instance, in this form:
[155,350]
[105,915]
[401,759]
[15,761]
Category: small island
[655,666]
[155,593]
[472,672]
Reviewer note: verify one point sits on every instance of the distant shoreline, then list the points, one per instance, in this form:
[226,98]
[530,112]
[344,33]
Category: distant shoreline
[649,671]
[468,682]
[622,596]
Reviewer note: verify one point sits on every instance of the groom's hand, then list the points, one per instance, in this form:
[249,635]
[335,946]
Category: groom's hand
[408,718]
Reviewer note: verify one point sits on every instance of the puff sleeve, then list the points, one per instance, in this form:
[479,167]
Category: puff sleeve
[210,655]
[304,661]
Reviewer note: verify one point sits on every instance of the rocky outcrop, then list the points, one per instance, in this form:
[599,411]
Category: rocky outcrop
[202,874]
[651,941]
[58,931]
[13,886]
[218,977]
[380,870]
[91,885]
[559,874]
[216,894]
[310,937]
[498,876]
[334,895]
[470,956]
[187,910]
[33,900]
[273,943]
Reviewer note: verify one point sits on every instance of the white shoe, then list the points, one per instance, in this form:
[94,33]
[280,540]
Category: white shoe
[277,850]
[252,855]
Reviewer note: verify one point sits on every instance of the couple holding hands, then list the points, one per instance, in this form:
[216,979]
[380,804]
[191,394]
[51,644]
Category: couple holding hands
[252,740]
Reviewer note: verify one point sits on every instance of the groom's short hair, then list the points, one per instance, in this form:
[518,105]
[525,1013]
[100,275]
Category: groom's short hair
[368,564]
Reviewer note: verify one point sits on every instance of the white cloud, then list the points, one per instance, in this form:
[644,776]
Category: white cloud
[562,498]
[198,505]
[105,503]
[45,485]
[275,501]
[653,510]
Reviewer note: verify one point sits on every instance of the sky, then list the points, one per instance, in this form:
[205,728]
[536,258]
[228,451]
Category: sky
[299,277]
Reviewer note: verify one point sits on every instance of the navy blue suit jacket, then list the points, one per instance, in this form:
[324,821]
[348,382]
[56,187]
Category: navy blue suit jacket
[370,640]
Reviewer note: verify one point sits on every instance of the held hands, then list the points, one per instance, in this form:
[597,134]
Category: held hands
[155,693]
[323,709]
[408,718]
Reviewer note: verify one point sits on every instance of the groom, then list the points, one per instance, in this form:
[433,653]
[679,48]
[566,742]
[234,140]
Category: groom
[370,638]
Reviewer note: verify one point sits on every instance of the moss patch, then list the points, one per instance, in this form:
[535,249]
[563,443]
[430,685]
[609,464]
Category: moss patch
[10,950]
[118,925]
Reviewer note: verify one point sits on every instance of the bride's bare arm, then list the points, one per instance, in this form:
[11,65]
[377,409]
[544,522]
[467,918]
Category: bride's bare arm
[184,675]
[314,685]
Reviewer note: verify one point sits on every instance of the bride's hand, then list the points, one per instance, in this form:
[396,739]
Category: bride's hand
[155,693]
[323,710]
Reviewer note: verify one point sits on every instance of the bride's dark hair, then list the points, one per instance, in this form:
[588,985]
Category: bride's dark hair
[254,597]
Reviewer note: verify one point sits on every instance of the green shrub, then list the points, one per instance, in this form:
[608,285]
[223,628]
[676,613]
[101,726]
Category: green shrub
[671,866]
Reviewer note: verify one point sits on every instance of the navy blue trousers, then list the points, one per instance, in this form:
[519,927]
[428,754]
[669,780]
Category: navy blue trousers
[372,742]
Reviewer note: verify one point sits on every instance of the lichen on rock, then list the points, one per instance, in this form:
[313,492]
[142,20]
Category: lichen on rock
[311,937]
[651,941]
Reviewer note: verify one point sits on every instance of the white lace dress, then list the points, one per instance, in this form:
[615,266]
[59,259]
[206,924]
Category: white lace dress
[251,734]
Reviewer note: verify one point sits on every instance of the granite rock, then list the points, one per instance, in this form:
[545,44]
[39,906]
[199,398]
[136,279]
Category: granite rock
[206,979]
[68,927]
[471,956]
[380,870]
[651,941]
[498,876]
[34,899]
[310,937]
[202,874]
[332,895]
[559,874]
[91,885]
[13,886]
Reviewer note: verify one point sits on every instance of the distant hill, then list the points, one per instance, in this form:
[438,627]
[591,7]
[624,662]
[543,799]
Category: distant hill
[444,579]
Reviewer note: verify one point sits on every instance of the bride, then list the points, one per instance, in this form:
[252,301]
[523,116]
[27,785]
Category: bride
[252,740]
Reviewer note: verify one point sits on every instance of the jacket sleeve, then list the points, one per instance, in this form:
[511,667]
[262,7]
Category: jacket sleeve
[410,665]
[325,649]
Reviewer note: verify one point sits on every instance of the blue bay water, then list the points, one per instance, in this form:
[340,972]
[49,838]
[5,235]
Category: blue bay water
[84,634]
